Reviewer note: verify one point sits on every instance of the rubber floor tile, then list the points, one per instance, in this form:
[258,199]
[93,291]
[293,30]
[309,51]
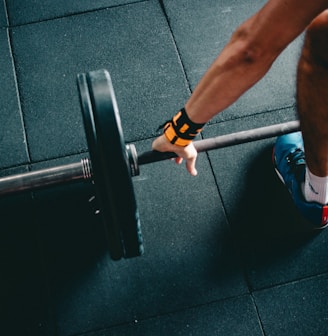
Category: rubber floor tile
[226,252]
[231,317]
[23,291]
[277,244]
[50,54]
[13,149]
[23,12]
[202,29]
[298,309]
[3,15]
[189,257]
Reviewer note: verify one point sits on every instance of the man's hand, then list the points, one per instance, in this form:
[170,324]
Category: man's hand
[188,153]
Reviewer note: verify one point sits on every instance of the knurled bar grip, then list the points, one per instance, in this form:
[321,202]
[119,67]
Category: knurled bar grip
[227,140]
[83,171]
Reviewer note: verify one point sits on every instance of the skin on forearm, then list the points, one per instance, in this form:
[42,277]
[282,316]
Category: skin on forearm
[232,73]
[249,55]
[244,61]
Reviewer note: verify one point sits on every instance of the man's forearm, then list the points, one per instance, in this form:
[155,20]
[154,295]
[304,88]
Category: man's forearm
[249,55]
[238,67]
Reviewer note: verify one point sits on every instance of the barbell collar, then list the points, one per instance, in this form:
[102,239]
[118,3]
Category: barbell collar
[226,140]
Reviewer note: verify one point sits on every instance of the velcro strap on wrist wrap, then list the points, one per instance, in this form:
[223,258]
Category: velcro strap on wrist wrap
[181,130]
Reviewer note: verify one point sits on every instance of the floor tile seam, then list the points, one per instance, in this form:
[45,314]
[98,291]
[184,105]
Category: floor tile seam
[187,80]
[6,12]
[225,211]
[227,224]
[213,124]
[257,114]
[18,166]
[291,282]
[73,14]
[258,314]
[323,275]
[18,96]
[164,314]
[36,226]
[29,165]
[46,287]
[61,157]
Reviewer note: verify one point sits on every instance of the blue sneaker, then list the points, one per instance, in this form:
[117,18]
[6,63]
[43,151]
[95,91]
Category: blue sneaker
[289,161]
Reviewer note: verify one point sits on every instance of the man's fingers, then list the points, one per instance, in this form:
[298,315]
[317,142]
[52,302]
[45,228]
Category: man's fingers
[178,160]
[191,166]
[188,153]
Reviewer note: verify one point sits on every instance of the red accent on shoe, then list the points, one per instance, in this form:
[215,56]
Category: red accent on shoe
[324,215]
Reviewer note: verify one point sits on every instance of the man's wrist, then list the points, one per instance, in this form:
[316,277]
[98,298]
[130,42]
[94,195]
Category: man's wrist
[180,131]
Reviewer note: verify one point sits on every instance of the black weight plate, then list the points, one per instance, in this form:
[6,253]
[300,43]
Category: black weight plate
[115,161]
[112,231]
[119,206]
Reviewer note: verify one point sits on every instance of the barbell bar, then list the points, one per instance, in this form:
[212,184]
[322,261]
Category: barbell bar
[75,172]
[113,163]
[226,140]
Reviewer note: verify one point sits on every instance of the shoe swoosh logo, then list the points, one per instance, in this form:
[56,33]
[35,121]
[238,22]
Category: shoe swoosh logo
[312,189]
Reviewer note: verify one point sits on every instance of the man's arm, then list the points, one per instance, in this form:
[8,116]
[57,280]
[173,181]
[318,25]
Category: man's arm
[246,58]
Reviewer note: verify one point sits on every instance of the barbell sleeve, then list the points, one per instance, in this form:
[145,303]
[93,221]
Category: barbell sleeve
[226,140]
[46,177]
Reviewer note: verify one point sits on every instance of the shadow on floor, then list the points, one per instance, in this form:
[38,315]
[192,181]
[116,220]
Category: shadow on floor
[271,227]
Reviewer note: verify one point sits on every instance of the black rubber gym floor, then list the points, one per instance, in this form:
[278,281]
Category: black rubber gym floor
[226,253]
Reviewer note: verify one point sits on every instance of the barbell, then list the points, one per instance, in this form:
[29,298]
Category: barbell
[113,163]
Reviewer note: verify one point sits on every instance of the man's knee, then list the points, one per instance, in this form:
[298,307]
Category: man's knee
[320,22]
[316,40]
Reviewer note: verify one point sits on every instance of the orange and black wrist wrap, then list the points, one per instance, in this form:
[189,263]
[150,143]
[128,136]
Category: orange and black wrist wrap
[180,131]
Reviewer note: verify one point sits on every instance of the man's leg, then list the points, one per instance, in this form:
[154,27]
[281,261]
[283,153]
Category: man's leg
[312,100]
[304,167]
